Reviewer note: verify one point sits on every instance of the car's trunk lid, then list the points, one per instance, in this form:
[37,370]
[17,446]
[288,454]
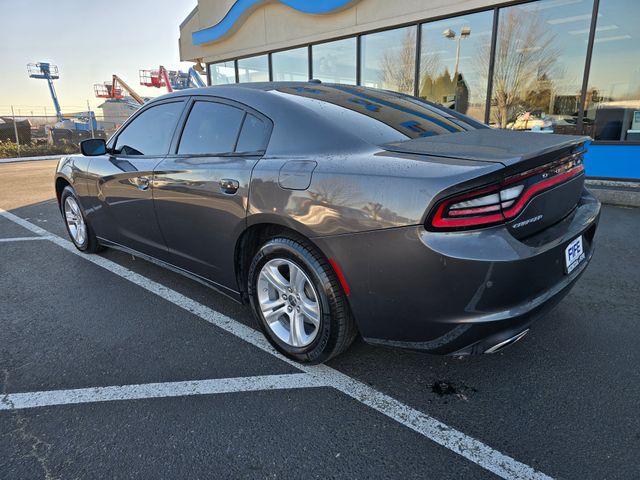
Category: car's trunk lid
[488,145]
[518,152]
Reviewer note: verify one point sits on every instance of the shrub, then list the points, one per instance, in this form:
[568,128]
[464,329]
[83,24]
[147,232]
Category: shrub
[10,149]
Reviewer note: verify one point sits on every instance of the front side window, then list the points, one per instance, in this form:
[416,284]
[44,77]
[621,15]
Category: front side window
[540,56]
[454,62]
[388,60]
[291,65]
[612,107]
[150,132]
[211,128]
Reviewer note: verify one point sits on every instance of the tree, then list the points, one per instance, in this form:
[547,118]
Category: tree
[525,56]
[398,66]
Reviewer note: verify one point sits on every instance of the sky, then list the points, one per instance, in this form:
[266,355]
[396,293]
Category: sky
[89,41]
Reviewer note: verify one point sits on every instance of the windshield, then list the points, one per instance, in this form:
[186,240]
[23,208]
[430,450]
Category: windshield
[377,116]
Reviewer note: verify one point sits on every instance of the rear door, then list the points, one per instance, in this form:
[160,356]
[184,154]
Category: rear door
[124,211]
[201,189]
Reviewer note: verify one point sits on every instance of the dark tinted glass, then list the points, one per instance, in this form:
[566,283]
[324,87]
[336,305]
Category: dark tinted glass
[253,137]
[376,116]
[211,128]
[150,132]
[612,106]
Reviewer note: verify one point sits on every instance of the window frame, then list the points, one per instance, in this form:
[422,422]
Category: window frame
[114,138]
[182,123]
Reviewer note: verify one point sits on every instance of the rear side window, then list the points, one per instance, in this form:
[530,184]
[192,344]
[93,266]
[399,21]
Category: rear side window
[253,137]
[211,128]
[150,132]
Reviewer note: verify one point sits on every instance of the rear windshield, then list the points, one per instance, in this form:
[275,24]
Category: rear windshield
[378,116]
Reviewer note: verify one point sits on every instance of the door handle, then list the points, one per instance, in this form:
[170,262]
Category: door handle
[229,185]
[143,183]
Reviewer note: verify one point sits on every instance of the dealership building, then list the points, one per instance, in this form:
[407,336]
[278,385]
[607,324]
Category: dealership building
[548,66]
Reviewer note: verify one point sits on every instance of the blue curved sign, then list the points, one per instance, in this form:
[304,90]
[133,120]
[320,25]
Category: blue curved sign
[242,8]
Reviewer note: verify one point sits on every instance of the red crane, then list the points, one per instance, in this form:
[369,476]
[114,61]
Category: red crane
[115,90]
[156,78]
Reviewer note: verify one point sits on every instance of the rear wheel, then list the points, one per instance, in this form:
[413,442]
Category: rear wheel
[298,301]
[78,228]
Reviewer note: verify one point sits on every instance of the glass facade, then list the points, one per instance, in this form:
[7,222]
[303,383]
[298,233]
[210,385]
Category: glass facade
[539,65]
[454,62]
[612,102]
[253,69]
[388,59]
[335,62]
[522,66]
[291,65]
[222,73]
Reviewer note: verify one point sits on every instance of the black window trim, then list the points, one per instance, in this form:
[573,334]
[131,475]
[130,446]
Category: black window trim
[182,122]
[114,138]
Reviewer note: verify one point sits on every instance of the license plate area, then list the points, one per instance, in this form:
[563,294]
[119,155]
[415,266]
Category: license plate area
[573,255]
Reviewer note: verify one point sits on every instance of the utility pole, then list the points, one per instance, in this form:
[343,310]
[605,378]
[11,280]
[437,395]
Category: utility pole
[15,129]
[90,120]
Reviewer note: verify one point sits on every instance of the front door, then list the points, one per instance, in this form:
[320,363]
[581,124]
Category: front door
[124,212]
[201,191]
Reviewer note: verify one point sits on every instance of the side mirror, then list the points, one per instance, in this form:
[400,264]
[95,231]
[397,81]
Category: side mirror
[93,147]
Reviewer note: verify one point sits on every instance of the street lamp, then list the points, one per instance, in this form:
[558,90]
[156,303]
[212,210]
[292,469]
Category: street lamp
[465,32]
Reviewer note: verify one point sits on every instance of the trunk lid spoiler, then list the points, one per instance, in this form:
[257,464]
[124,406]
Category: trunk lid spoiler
[492,146]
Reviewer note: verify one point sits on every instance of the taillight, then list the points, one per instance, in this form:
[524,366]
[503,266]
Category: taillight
[501,202]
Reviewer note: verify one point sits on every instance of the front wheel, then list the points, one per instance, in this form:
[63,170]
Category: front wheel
[78,228]
[298,301]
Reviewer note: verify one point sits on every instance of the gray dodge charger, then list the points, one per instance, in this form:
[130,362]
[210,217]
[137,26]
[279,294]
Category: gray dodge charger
[335,210]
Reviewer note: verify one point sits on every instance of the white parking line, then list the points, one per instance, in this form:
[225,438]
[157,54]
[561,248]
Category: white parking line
[18,401]
[22,239]
[456,441]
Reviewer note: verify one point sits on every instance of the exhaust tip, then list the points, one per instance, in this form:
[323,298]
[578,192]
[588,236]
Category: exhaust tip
[505,343]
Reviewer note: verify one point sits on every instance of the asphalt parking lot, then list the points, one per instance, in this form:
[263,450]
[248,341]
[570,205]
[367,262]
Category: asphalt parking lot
[111,367]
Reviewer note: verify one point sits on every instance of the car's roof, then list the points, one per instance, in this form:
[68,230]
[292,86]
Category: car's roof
[326,117]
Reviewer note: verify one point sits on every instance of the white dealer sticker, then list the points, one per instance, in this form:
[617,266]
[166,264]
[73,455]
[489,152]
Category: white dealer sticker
[574,254]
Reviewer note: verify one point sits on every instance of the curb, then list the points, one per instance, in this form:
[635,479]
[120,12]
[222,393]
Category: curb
[30,159]
[618,193]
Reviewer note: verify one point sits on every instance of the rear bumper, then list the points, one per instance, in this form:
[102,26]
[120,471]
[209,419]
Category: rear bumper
[457,292]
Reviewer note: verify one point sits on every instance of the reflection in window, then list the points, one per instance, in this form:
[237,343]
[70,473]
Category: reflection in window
[211,128]
[222,73]
[539,65]
[454,62]
[151,131]
[291,65]
[254,69]
[335,62]
[612,107]
[388,59]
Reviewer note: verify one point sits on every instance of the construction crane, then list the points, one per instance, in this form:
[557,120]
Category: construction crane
[171,79]
[48,72]
[115,89]
[156,78]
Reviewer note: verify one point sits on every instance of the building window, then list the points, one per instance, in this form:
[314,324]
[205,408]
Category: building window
[222,73]
[612,106]
[388,59]
[291,65]
[335,62]
[454,62]
[253,69]
[540,56]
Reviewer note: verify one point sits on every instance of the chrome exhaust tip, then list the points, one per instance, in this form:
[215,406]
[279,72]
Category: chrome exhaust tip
[505,343]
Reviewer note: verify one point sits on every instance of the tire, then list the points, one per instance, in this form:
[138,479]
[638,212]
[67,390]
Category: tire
[70,208]
[335,329]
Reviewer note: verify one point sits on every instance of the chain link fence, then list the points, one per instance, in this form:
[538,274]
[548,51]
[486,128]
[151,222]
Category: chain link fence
[36,130]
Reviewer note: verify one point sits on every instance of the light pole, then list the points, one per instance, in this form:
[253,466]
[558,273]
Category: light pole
[465,32]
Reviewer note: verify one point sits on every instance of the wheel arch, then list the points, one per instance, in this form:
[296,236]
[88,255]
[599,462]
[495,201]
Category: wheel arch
[60,183]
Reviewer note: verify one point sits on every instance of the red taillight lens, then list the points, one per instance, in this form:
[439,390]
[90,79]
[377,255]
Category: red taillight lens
[498,203]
